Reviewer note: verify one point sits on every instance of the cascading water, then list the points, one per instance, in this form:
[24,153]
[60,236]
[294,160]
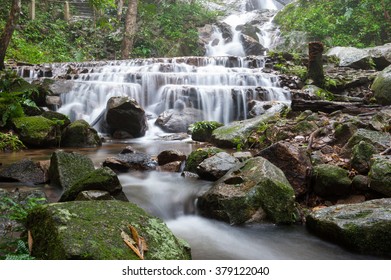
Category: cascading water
[220,85]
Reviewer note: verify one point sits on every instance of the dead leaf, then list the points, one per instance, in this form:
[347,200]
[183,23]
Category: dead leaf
[30,241]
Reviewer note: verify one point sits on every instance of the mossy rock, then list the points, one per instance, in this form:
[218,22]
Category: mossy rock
[61,119]
[363,227]
[331,181]
[304,127]
[202,131]
[92,230]
[380,175]
[80,134]
[37,131]
[382,87]
[236,134]
[361,156]
[379,140]
[101,179]
[255,191]
[68,168]
[198,156]
[321,93]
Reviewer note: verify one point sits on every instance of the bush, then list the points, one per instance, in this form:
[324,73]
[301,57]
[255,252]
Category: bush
[339,22]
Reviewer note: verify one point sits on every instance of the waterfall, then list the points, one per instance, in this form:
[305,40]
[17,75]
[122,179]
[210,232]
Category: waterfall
[221,84]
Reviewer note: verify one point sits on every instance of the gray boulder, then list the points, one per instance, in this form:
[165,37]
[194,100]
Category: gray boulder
[293,160]
[251,46]
[92,230]
[94,195]
[237,133]
[380,175]
[124,114]
[67,168]
[170,156]
[363,227]
[130,161]
[382,87]
[253,191]
[25,171]
[215,167]
[175,121]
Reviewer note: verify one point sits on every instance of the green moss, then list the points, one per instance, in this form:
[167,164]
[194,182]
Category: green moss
[304,127]
[202,131]
[198,156]
[37,131]
[80,134]
[92,230]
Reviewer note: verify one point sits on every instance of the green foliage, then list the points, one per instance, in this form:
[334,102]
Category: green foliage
[12,248]
[15,93]
[165,28]
[339,22]
[10,142]
[205,125]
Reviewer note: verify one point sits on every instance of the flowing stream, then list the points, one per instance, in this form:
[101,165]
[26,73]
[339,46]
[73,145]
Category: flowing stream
[220,84]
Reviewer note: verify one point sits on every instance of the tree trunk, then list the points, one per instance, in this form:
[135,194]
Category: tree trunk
[9,29]
[315,63]
[130,29]
[120,5]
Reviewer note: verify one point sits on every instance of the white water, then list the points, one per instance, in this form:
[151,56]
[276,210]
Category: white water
[219,86]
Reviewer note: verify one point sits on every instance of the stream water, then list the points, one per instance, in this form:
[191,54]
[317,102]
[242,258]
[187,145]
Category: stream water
[221,87]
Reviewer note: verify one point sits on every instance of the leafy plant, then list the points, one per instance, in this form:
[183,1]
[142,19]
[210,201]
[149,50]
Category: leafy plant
[10,142]
[13,247]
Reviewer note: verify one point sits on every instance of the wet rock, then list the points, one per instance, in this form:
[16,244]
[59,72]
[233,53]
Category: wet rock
[174,166]
[131,161]
[382,120]
[253,191]
[37,131]
[25,171]
[257,108]
[242,156]
[380,175]
[237,133]
[361,157]
[251,46]
[382,87]
[92,230]
[125,114]
[215,167]
[362,227]
[379,140]
[331,181]
[102,179]
[80,134]
[170,156]
[128,150]
[293,160]
[67,168]
[174,121]
[94,195]
[360,183]
[198,156]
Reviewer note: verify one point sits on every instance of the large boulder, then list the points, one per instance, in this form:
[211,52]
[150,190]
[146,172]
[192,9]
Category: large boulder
[67,168]
[254,191]
[363,227]
[124,114]
[101,179]
[25,171]
[379,140]
[92,230]
[215,167]
[168,156]
[293,160]
[130,161]
[236,134]
[175,121]
[331,181]
[382,87]
[251,46]
[378,57]
[80,134]
[202,131]
[37,131]
[380,175]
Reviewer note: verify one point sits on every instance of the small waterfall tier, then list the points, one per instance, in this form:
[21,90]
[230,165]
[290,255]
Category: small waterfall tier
[220,87]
